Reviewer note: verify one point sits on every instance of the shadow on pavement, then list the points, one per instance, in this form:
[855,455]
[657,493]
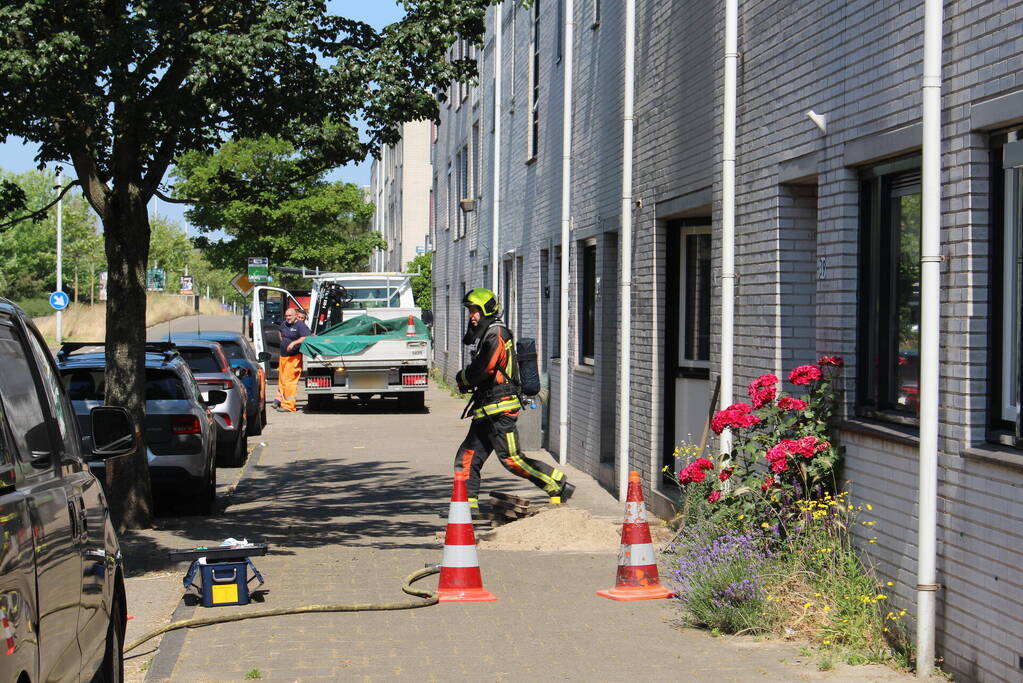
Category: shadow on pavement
[310,503]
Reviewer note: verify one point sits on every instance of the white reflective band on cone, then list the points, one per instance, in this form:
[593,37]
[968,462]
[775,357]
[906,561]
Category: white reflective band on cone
[635,512]
[636,555]
[459,513]
[459,556]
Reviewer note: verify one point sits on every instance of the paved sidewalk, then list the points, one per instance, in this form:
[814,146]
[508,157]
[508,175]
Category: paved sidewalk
[351,502]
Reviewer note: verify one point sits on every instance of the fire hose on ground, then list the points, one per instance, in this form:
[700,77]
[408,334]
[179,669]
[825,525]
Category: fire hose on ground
[429,598]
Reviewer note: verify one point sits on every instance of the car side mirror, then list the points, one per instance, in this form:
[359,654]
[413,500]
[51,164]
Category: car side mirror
[427,317]
[215,397]
[264,356]
[112,432]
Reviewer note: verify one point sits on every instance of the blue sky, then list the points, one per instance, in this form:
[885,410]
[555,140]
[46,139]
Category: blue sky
[17,157]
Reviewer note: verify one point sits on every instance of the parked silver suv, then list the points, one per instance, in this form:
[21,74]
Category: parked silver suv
[62,597]
[212,371]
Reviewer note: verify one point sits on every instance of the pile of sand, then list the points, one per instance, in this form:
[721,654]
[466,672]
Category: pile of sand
[556,529]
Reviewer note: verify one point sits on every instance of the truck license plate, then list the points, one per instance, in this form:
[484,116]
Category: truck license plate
[367,380]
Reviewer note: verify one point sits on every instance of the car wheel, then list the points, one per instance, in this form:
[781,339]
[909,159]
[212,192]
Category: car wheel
[241,450]
[255,424]
[207,493]
[112,670]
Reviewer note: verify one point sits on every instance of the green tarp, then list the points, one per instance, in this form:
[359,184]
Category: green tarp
[354,335]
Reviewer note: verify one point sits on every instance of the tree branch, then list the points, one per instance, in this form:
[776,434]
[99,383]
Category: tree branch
[38,214]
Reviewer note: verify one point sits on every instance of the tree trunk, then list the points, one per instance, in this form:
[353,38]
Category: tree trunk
[126,241]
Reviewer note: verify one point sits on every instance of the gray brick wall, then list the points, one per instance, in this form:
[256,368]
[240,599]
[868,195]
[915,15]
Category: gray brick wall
[858,62]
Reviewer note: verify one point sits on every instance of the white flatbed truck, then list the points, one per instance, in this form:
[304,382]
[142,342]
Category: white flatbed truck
[389,368]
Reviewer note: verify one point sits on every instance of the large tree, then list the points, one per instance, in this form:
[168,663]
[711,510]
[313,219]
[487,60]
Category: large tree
[119,88]
[296,219]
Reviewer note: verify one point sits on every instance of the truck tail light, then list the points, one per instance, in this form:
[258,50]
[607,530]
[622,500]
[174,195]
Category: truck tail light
[318,382]
[185,424]
[414,380]
[225,418]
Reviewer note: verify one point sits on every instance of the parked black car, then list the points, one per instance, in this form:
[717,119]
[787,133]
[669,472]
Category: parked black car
[181,432]
[61,577]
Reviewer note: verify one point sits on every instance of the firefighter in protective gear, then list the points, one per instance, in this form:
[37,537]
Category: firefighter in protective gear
[495,403]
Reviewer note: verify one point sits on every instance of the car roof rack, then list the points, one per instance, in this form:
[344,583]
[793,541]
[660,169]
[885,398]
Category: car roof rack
[168,349]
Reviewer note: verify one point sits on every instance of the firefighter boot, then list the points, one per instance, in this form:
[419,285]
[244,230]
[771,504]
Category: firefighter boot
[563,494]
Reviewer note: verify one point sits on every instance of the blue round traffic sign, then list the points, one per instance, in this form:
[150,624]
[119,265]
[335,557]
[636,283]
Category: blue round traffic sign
[59,300]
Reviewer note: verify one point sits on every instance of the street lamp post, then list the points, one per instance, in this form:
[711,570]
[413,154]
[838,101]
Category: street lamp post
[60,253]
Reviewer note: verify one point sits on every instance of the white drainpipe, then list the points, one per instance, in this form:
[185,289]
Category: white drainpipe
[728,214]
[930,320]
[495,251]
[566,228]
[625,359]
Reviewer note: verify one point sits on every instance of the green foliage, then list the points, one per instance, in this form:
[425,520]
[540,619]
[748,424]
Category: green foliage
[36,307]
[294,220]
[422,284]
[28,248]
[170,249]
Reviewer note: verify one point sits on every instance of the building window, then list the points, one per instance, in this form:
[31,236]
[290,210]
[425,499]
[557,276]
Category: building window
[533,129]
[1007,297]
[695,299]
[475,185]
[451,203]
[588,286]
[463,189]
[890,292]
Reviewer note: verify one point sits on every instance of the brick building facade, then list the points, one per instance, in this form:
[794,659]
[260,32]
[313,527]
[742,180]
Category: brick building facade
[826,252]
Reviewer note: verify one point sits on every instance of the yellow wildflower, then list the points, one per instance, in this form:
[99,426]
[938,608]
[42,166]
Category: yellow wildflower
[808,605]
[890,583]
[869,506]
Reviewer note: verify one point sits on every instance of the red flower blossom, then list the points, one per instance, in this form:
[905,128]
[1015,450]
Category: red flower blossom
[695,471]
[789,403]
[714,496]
[724,475]
[762,390]
[768,483]
[805,374]
[834,361]
[736,415]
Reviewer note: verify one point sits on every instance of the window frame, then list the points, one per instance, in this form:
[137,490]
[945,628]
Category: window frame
[876,392]
[533,104]
[698,366]
[1007,217]
[589,291]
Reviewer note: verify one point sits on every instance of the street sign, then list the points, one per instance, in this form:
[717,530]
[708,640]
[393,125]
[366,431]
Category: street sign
[259,270]
[242,283]
[156,279]
[59,300]
[186,284]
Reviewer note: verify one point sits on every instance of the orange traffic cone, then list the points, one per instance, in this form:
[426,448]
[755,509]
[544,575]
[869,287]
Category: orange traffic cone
[410,331]
[637,564]
[460,577]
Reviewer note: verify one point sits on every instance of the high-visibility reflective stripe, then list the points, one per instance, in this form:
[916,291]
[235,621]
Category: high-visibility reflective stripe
[636,555]
[635,513]
[460,556]
[495,408]
[459,513]
[550,486]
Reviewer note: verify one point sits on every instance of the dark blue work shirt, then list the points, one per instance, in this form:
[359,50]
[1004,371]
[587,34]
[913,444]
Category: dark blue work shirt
[290,333]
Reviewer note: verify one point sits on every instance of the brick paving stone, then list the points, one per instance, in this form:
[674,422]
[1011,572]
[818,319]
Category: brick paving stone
[351,502]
